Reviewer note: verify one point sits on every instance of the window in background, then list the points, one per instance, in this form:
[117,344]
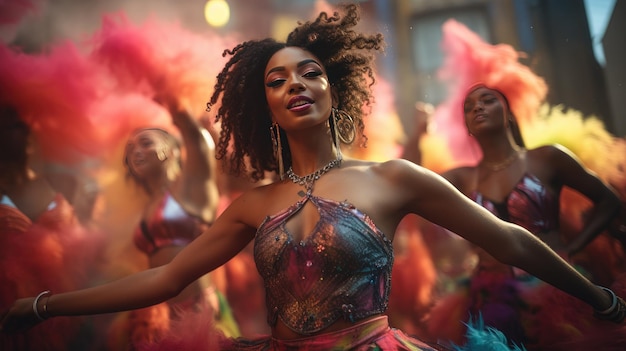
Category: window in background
[426,35]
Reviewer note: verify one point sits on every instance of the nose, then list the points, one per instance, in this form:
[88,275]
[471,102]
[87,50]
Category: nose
[135,151]
[296,84]
[478,106]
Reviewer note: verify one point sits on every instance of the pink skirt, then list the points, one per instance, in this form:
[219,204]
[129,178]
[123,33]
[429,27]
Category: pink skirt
[199,333]
[374,334]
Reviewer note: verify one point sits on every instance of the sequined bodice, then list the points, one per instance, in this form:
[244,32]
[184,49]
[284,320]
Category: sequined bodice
[530,205]
[342,270]
[168,225]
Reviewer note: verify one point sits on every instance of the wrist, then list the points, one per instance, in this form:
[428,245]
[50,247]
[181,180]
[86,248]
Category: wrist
[41,312]
[613,298]
[44,309]
[616,311]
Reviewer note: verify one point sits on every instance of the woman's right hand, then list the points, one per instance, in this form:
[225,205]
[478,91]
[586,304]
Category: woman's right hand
[19,317]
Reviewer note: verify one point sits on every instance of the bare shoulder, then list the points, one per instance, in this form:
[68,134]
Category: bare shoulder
[406,175]
[250,207]
[383,190]
[395,169]
[550,152]
[553,156]
[393,172]
[461,177]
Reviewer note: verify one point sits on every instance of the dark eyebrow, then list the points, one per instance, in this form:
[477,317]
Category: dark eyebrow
[304,62]
[488,93]
[300,64]
[483,95]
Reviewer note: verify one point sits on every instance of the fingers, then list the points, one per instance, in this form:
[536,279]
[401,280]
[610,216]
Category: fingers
[19,317]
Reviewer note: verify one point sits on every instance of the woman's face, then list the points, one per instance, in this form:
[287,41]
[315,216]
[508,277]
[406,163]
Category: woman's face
[484,108]
[145,153]
[297,89]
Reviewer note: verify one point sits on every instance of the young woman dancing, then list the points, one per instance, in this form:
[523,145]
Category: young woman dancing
[323,232]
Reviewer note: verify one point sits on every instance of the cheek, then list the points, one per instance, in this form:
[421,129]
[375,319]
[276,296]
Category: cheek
[327,100]
[496,108]
[323,102]
[466,121]
[272,97]
[276,108]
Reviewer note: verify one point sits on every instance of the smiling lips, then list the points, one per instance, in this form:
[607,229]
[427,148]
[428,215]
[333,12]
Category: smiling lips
[138,161]
[299,103]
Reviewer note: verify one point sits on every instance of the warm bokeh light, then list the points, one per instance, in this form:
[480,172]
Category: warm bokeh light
[216,12]
[282,25]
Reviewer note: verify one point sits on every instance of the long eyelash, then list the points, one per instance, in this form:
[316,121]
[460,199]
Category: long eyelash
[313,74]
[277,82]
[274,83]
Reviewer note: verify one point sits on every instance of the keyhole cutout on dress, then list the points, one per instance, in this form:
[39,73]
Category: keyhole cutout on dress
[303,223]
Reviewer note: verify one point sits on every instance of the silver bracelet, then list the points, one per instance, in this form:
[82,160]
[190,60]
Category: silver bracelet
[613,302]
[36,301]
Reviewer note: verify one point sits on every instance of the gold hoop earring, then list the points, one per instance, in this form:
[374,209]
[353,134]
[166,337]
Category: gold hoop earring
[334,138]
[344,126]
[278,148]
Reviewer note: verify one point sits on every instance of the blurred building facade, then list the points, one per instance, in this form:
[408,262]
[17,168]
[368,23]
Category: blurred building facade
[614,45]
[554,34]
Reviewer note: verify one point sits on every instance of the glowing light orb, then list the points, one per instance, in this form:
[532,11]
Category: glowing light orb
[216,12]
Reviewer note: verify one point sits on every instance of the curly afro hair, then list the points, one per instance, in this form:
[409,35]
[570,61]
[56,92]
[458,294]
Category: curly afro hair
[243,111]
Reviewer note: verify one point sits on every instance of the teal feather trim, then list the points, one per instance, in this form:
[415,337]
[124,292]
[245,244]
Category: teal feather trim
[485,338]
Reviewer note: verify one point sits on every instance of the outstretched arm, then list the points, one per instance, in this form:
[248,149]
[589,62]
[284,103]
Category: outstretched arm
[411,150]
[438,201]
[224,239]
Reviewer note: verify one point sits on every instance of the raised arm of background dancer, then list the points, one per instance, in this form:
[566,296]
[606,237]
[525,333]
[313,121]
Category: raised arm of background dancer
[606,202]
[228,235]
[438,201]
[197,187]
[411,150]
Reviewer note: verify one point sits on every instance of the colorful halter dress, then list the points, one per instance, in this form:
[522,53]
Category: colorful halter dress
[340,271]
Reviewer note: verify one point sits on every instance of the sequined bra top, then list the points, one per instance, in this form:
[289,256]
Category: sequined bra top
[168,225]
[342,270]
[529,204]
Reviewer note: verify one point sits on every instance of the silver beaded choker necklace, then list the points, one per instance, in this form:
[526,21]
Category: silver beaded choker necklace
[308,180]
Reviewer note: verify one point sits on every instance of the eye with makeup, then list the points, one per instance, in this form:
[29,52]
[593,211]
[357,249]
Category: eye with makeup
[146,142]
[274,83]
[308,73]
[485,100]
[489,99]
[467,107]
